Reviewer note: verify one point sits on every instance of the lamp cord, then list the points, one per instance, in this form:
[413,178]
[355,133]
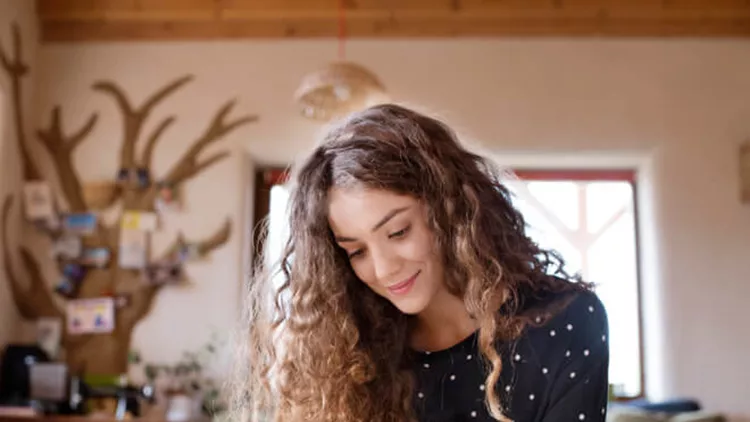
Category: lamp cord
[342,29]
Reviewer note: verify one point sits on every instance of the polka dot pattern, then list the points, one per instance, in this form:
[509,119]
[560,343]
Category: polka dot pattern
[565,358]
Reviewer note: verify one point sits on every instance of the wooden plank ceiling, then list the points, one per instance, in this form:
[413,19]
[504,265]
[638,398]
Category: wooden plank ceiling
[140,20]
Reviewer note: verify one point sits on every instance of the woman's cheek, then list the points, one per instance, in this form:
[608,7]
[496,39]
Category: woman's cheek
[416,248]
[363,271]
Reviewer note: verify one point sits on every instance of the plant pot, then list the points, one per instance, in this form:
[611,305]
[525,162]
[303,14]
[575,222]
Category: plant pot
[183,407]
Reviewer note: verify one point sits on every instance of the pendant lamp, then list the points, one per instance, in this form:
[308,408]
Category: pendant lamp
[340,87]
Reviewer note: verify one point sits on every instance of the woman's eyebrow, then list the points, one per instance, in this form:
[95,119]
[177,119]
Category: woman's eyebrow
[379,224]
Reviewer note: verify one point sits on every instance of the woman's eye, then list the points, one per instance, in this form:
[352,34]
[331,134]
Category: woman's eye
[400,233]
[355,254]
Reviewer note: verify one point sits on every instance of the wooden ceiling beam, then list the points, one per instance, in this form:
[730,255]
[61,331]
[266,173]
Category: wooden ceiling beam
[142,20]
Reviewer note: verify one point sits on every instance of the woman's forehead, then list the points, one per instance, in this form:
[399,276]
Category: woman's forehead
[363,207]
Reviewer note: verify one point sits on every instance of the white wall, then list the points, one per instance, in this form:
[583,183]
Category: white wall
[679,107]
[22,12]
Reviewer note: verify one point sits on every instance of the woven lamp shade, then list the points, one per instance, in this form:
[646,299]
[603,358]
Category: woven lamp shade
[338,89]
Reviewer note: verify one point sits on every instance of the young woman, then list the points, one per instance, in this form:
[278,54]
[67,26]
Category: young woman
[409,291]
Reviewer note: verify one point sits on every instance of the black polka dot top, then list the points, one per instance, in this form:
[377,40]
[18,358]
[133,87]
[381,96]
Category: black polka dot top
[555,371]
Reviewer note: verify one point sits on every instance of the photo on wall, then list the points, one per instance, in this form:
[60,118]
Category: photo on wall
[38,201]
[91,316]
[81,223]
[132,252]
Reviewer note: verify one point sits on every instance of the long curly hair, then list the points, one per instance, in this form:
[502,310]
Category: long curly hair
[322,346]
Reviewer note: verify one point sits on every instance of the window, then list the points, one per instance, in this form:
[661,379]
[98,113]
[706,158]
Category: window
[589,218]
[271,199]
[278,224]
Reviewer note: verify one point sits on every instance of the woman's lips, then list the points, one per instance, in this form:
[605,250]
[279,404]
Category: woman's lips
[404,286]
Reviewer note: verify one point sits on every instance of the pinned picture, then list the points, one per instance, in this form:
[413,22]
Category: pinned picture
[139,220]
[133,177]
[68,288]
[123,176]
[122,300]
[132,253]
[95,257]
[81,224]
[142,177]
[74,272]
[91,316]
[188,252]
[167,199]
[38,200]
[48,335]
[67,247]
[51,226]
[166,272]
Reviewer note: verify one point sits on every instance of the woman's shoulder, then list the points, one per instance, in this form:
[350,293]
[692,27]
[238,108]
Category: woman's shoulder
[561,359]
[583,306]
[556,298]
[579,315]
[565,326]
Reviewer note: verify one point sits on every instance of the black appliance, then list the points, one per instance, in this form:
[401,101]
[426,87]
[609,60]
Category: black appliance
[15,385]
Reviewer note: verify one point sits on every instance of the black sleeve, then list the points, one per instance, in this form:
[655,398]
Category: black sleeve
[580,389]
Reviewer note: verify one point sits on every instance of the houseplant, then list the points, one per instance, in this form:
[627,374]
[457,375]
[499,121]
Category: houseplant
[185,386]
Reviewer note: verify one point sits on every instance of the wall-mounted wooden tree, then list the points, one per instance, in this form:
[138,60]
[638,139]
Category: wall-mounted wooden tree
[35,298]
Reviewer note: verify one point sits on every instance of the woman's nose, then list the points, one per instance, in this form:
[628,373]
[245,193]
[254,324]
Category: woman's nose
[385,265]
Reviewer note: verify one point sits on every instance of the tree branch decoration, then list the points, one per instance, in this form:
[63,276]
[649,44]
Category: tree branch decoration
[106,353]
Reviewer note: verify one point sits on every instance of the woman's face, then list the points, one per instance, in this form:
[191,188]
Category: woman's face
[389,244]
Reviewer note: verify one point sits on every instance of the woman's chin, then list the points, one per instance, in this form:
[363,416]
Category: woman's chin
[410,305]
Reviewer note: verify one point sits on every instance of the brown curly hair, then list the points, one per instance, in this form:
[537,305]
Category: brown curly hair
[321,345]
